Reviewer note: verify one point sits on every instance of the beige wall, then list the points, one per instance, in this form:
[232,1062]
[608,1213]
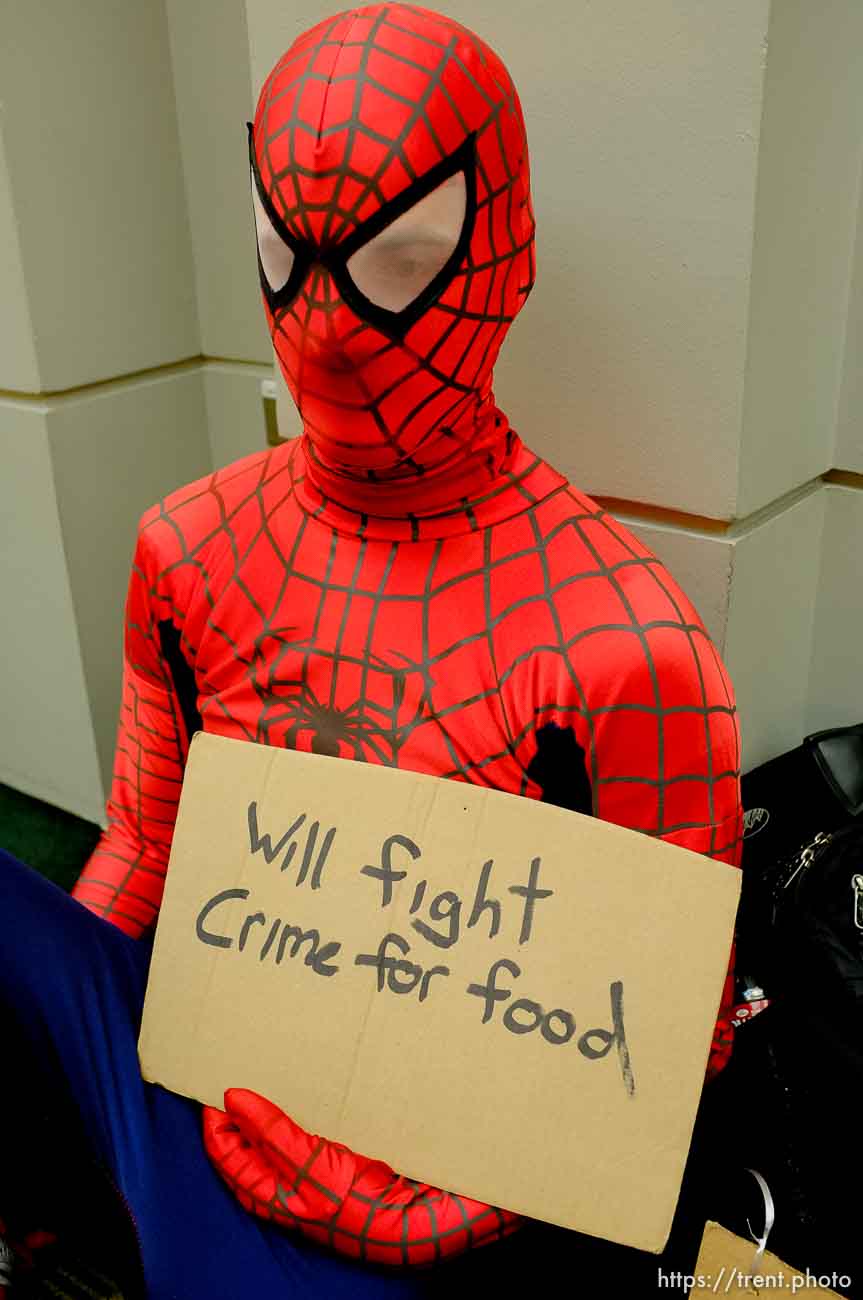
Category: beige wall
[809,171]
[47,747]
[693,349]
[836,677]
[98,285]
[94,168]
[849,441]
[18,364]
[213,87]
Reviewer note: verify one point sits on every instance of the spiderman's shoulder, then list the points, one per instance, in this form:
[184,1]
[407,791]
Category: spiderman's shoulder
[218,509]
[624,626]
[596,561]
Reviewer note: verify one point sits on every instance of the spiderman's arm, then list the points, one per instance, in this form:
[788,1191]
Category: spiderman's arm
[665,757]
[124,878]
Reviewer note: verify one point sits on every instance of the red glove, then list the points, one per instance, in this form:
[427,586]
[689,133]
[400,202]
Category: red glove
[358,1206]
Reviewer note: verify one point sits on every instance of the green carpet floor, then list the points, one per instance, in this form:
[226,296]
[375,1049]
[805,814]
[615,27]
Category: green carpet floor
[53,842]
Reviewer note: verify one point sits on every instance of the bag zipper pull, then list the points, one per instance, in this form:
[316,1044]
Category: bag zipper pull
[857,890]
[808,855]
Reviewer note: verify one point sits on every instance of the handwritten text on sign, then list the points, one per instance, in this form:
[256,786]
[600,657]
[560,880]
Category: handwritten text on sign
[226,922]
[335,935]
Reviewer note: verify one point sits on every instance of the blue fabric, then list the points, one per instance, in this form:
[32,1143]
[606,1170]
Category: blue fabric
[74,985]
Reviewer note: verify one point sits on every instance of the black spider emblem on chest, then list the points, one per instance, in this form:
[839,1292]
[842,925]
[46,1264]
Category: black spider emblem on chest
[305,705]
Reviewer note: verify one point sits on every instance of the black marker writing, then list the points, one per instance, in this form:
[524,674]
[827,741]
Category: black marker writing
[481,903]
[489,991]
[530,894]
[385,872]
[523,1016]
[616,1038]
[216,940]
[261,842]
[445,906]
[389,968]
[318,956]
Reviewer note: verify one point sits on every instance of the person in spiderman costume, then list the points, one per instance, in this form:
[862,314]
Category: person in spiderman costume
[405,583]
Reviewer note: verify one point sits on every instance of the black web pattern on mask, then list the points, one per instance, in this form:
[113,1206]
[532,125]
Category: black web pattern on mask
[480,319]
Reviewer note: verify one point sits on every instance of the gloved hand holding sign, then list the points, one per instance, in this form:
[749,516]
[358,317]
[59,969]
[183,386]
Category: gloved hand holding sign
[357,1206]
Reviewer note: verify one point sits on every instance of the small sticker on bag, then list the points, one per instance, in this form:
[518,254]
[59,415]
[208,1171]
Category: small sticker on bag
[747,1010]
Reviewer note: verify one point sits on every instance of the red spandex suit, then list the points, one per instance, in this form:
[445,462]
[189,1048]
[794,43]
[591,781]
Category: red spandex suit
[406,583]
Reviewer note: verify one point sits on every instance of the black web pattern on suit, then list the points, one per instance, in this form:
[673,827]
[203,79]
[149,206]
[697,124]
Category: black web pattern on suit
[419,605]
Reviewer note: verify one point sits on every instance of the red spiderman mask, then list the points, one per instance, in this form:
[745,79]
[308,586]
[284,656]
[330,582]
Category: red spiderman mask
[395,230]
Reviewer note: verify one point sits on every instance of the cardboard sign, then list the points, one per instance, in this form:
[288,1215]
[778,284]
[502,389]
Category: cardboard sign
[728,1265]
[495,996]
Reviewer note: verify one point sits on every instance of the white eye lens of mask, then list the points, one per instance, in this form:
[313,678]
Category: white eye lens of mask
[277,258]
[392,269]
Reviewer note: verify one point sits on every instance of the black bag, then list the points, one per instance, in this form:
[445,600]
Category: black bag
[813,906]
[788,1103]
[795,1082]
[816,787]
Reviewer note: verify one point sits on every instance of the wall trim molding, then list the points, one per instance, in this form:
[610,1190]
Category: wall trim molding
[644,513]
[641,512]
[702,525]
[149,372]
[845,478]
